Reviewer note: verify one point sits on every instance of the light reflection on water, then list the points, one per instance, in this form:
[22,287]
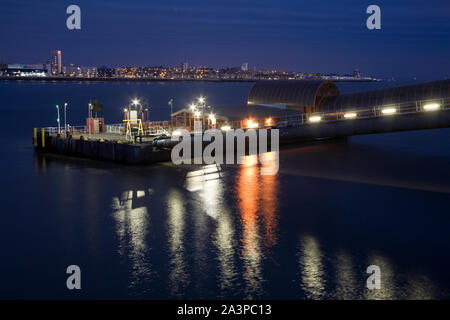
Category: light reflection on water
[132,226]
[240,240]
[243,242]
[178,277]
[346,288]
[311,268]
[257,204]
[248,196]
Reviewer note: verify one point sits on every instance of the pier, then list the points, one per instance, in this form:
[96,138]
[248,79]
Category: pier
[319,114]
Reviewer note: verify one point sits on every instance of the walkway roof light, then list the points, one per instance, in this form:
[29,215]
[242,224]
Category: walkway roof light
[350,115]
[388,111]
[431,107]
[315,119]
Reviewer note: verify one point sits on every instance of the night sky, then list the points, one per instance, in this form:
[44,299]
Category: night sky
[306,36]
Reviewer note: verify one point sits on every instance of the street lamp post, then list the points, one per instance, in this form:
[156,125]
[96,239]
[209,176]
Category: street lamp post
[57,119]
[65,120]
[171,109]
[88,128]
[171,106]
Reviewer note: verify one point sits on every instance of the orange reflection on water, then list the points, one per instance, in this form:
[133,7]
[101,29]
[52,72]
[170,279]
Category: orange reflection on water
[257,196]
[269,206]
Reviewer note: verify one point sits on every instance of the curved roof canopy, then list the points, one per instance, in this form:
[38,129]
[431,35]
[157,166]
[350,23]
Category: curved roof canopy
[435,90]
[297,95]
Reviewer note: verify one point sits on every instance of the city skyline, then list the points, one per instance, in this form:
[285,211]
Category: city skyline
[290,35]
[56,68]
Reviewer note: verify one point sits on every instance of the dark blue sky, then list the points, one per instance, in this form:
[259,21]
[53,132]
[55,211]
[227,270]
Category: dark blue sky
[309,36]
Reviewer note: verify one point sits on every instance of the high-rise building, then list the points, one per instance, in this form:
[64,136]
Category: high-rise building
[244,66]
[184,66]
[56,62]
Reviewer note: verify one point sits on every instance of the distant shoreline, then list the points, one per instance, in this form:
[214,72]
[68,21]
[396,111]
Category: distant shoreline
[64,79]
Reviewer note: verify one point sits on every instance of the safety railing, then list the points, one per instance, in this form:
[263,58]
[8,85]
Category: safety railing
[414,107]
[115,128]
[70,130]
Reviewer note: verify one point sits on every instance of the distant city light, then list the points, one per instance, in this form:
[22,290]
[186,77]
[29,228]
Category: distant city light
[197,113]
[315,119]
[225,128]
[201,99]
[431,107]
[135,102]
[350,115]
[388,111]
[269,121]
[193,106]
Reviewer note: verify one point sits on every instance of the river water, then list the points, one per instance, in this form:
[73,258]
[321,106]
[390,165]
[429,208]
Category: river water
[166,231]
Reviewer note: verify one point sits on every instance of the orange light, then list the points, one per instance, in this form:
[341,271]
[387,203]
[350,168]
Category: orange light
[269,121]
[251,124]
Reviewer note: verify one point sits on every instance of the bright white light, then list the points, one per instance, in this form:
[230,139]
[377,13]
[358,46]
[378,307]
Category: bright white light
[201,99]
[193,106]
[176,133]
[315,119]
[431,107]
[225,128]
[135,102]
[350,115]
[197,114]
[388,111]
[251,124]
[125,110]
[212,118]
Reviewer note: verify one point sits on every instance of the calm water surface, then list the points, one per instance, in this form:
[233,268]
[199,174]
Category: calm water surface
[167,231]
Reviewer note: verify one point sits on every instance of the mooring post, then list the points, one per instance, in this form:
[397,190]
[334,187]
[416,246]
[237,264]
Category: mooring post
[43,137]
[35,137]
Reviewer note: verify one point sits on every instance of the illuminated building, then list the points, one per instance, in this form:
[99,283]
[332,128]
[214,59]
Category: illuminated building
[56,62]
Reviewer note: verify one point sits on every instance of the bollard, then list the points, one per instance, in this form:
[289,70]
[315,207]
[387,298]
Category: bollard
[35,137]
[43,137]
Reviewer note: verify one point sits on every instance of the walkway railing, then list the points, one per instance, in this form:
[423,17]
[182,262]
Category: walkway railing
[415,107]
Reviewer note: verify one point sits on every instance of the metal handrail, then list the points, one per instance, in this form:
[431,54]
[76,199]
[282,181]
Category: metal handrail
[412,107]
[72,129]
